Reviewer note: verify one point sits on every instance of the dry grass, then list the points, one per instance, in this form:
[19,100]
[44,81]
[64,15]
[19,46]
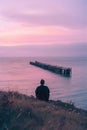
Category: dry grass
[20,112]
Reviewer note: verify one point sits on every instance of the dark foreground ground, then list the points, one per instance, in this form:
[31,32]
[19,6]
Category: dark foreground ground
[21,112]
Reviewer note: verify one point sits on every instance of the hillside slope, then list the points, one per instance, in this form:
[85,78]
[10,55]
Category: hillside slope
[21,112]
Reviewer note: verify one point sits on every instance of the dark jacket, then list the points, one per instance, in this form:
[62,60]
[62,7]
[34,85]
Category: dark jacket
[42,93]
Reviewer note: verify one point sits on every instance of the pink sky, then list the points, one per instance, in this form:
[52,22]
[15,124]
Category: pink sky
[25,22]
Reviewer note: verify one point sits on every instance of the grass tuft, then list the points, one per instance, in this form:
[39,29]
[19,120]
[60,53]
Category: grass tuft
[21,112]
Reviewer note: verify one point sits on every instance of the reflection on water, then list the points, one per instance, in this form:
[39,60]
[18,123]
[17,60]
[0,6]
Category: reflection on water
[18,75]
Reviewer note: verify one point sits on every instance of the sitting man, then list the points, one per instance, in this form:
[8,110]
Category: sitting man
[42,92]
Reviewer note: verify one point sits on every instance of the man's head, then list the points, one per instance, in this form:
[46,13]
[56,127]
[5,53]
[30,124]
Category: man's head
[42,82]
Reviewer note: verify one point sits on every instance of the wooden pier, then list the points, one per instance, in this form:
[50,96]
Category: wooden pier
[55,69]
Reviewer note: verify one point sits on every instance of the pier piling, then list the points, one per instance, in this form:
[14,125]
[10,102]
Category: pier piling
[55,69]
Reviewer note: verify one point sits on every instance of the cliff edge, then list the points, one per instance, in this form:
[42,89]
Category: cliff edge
[21,112]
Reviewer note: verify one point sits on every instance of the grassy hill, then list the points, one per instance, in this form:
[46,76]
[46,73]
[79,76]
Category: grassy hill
[21,112]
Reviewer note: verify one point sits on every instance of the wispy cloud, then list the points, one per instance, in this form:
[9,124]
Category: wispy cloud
[70,13]
[42,21]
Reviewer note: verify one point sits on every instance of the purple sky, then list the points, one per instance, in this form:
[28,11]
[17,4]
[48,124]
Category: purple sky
[40,24]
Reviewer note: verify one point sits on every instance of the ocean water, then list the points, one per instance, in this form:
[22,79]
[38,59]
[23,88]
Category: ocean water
[16,74]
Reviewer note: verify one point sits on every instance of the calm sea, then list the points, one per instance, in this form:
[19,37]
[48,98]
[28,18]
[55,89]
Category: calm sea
[16,74]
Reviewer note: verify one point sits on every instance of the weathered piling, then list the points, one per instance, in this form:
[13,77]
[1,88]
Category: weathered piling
[55,69]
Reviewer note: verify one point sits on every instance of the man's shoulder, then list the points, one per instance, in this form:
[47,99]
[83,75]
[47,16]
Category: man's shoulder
[46,87]
[38,87]
[42,87]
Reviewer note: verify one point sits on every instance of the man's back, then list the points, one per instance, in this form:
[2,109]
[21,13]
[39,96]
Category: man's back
[42,92]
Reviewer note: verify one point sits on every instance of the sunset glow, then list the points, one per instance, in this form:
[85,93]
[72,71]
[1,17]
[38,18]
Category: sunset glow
[37,22]
[40,22]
